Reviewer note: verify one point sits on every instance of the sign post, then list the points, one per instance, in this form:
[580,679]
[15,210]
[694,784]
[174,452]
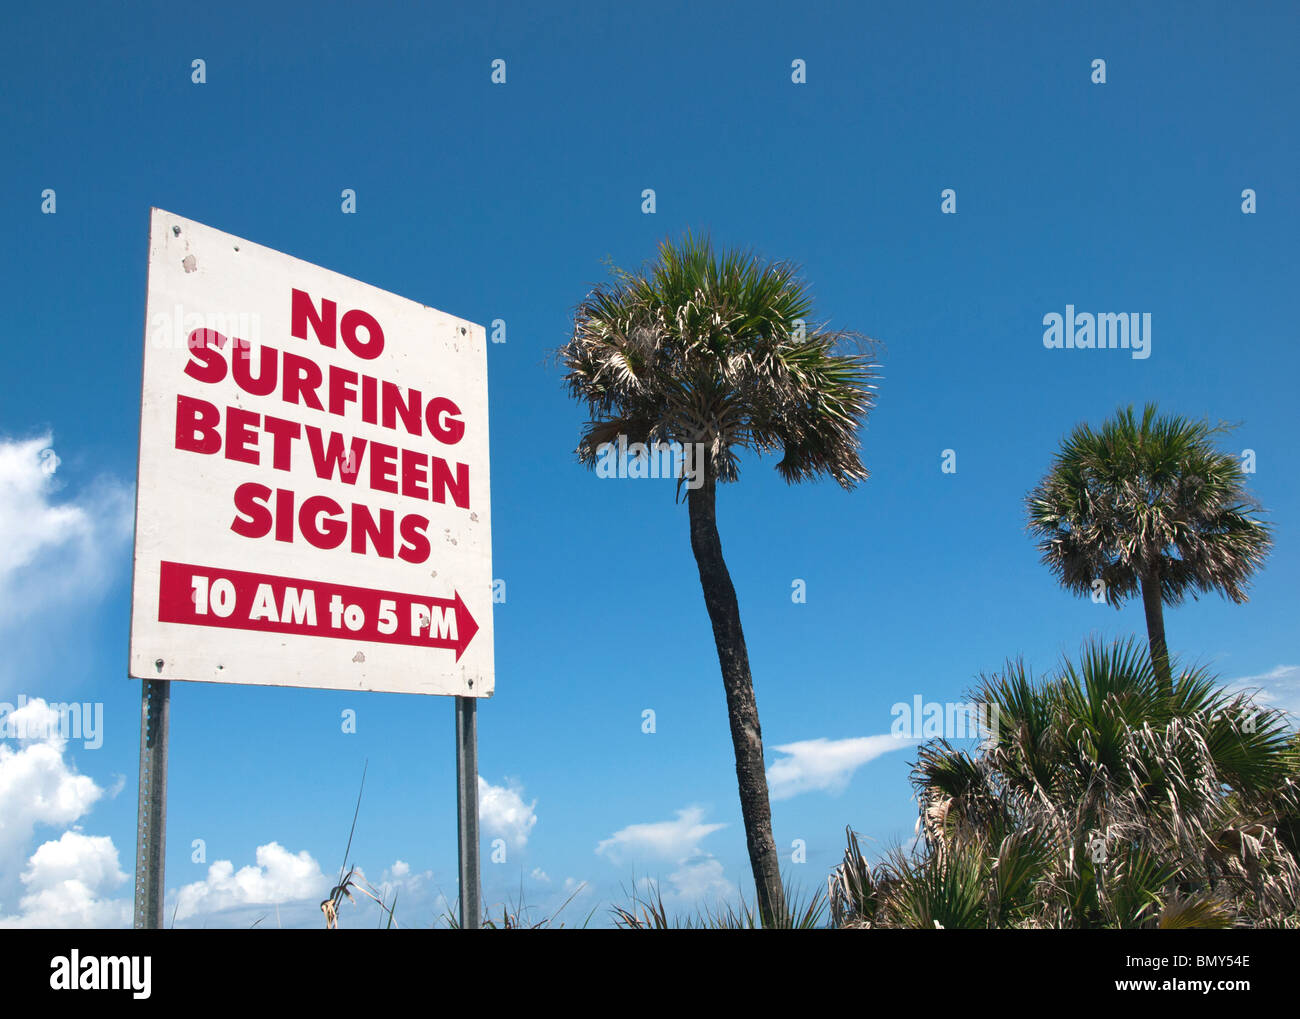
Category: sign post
[313,504]
[151,813]
[467,811]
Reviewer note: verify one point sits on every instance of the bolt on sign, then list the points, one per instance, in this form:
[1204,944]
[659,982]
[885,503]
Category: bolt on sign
[312,506]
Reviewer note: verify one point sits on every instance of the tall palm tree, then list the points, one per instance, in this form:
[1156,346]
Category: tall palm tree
[721,354]
[1148,506]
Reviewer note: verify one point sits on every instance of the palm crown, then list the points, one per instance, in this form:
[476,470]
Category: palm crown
[1148,497]
[719,351]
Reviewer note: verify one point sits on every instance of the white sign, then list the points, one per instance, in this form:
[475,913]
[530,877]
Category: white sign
[312,506]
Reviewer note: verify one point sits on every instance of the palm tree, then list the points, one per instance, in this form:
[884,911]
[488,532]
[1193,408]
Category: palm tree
[720,354]
[1100,799]
[1148,506]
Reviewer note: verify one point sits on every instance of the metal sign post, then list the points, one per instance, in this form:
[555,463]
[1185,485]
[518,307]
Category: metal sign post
[467,810]
[151,817]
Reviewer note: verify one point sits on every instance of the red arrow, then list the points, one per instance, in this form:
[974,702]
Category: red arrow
[461,631]
[466,627]
[185,596]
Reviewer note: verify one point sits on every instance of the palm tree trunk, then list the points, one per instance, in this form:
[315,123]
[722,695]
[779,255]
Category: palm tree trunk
[1153,604]
[742,709]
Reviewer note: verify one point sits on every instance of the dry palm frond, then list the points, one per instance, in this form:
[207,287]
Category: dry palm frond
[1103,802]
[344,889]
[1197,911]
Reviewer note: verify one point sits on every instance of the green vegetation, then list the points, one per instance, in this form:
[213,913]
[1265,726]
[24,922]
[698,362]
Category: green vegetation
[1119,790]
[1103,800]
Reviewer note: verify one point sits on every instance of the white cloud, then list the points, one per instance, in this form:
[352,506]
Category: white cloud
[666,840]
[825,764]
[66,882]
[54,552]
[540,875]
[69,884]
[701,878]
[400,878]
[38,786]
[278,877]
[1277,688]
[698,873]
[502,811]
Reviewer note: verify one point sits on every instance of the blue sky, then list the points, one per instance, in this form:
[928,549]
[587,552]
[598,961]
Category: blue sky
[500,202]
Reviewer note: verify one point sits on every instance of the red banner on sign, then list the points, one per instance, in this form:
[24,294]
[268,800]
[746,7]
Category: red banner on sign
[234,599]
